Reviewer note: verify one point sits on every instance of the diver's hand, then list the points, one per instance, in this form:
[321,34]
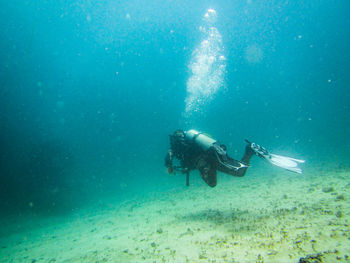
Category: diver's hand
[169,162]
[170,170]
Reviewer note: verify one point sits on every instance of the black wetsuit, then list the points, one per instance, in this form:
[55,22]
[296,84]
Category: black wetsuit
[192,156]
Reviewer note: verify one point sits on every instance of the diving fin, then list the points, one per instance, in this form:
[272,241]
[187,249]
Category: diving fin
[287,163]
[284,162]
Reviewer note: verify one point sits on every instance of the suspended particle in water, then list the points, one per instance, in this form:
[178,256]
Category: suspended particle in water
[60,104]
[254,54]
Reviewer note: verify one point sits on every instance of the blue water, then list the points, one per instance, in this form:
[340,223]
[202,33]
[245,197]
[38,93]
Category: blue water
[90,91]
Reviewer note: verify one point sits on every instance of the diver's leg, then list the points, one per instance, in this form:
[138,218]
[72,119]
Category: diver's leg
[234,167]
[245,159]
[207,172]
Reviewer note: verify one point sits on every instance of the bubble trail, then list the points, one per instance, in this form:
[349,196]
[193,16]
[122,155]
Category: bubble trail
[207,66]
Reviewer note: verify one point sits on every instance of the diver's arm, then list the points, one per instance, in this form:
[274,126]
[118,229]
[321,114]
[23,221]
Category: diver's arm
[169,161]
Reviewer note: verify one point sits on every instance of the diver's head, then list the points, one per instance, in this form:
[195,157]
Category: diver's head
[177,142]
[179,133]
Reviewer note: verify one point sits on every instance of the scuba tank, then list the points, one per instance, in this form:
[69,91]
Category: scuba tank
[204,141]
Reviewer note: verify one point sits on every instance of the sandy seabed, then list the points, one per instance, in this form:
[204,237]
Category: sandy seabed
[281,217]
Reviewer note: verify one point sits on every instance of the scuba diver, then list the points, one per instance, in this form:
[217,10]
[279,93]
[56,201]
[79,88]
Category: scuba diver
[196,150]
